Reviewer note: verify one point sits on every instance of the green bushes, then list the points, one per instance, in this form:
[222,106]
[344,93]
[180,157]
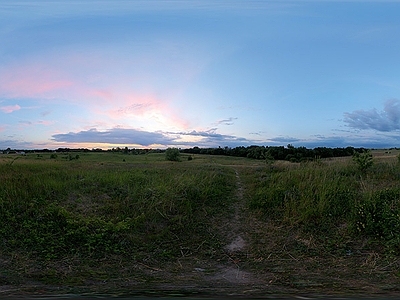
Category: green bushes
[172,154]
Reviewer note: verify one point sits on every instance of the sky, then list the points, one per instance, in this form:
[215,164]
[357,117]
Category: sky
[205,73]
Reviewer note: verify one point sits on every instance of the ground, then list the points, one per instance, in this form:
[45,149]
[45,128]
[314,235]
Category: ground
[254,262]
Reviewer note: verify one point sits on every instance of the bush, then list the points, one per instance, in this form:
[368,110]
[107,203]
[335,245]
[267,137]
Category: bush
[363,160]
[172,154]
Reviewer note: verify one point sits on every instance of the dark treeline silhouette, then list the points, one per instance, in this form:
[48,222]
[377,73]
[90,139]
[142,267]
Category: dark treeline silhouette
[289,153]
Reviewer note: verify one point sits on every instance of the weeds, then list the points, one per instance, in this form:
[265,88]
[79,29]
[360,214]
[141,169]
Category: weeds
[53,209]
[63,220]
[320,198]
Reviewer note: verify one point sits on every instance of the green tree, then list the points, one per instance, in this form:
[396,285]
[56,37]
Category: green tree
[172,154]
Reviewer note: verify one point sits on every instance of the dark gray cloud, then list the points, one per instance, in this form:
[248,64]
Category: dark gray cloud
[385,121]
[352,140]
[283,140]
[16,144]
[213,139]
[114,136]
[122,136]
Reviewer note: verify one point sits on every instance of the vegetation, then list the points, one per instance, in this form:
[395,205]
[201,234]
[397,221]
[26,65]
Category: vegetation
[363,160]
[268,153]
[289,153]
[90,207]
[172,154]
[50,209]
[332,201]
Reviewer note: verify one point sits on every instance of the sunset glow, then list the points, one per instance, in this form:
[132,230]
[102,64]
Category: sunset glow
[163,74]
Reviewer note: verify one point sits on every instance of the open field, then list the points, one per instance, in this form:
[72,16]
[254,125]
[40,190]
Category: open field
[214,225]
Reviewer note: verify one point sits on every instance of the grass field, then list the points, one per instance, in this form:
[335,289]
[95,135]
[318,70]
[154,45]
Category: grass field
[86,221]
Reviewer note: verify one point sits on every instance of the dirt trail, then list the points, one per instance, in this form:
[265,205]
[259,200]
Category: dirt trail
[233,272]
[228,273]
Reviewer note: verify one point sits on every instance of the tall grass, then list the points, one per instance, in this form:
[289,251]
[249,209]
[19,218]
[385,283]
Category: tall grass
[52,208]
[324,198]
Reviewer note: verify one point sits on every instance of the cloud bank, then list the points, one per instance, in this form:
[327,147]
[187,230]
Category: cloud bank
[385,121]
[127,136]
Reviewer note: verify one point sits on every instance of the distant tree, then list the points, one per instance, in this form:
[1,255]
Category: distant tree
[172,154]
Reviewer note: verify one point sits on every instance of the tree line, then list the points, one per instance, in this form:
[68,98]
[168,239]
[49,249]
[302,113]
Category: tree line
[289,153]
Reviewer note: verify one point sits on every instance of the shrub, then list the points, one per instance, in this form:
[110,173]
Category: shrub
[172,154]
[363,160]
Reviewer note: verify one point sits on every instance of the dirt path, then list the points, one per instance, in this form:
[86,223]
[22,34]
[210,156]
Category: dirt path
[232,272]
[226,274]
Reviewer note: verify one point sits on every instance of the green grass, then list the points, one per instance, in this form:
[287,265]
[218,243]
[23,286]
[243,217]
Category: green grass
[333,201]
[100,205]
[102,215]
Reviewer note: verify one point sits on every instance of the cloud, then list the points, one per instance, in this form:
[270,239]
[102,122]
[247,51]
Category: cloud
[127,136]
[114,136]
[10,108]
[32,80]
[228,121]
[40,122]
[210,138]
[366,140]
[17,144]
[134,108]
[384,121]
[284,140]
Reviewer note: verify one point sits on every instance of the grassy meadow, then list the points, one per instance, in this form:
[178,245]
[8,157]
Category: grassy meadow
[102,204]
[67,218]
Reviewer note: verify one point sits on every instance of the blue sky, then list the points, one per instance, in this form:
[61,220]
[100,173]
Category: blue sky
[157,74]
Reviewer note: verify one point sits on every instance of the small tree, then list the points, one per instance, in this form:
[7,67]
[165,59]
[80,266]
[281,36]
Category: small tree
[363,160]
[172,154]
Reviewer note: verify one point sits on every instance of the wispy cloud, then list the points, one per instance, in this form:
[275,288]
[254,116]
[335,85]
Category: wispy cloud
[229,121]
[384,121]
[10,108]
[40,122]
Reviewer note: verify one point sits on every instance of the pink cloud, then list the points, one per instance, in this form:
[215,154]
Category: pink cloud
[32,81]
[147,106]
[45,123]
[89,84]
[10,108]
